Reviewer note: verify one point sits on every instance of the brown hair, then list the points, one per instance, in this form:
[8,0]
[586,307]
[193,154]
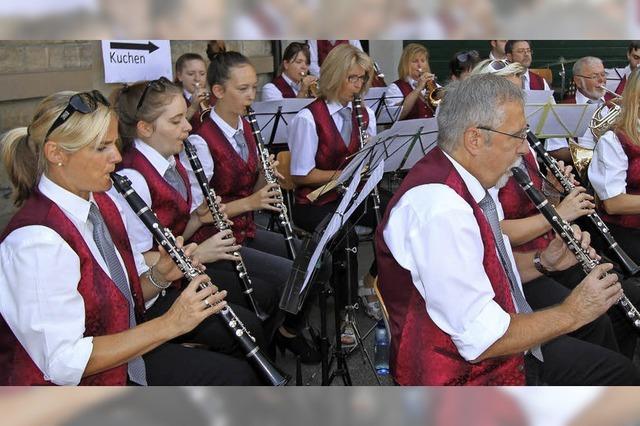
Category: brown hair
[126,99]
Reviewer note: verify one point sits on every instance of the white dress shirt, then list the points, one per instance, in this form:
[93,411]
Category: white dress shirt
[271,93]
[433,234]
[302,136]
[586,140]
[526,82]
[314,68]
[140,236]
[204,155]
[608,167]
[39,296]
[393,95]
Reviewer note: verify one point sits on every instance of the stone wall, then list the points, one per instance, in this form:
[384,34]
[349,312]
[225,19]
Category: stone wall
[31,70]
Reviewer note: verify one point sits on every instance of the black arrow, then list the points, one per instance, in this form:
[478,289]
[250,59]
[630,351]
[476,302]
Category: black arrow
[150,47]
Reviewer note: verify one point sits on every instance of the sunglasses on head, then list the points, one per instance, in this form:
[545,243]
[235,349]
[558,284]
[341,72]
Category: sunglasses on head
[498,64]
[159,85]
[84,103]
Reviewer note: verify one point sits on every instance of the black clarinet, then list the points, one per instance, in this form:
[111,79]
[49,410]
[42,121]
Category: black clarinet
[362,135]
[603,230]
[562,228]
[222,225]
[270,177]
[165,238]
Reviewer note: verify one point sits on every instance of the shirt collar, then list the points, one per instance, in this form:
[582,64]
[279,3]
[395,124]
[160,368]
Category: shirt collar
[72,205]
[158,162]
[335,106]
[188,95]
[228,131]
[290,82]
[474,186]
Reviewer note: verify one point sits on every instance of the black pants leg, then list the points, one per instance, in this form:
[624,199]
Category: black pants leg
[174,365]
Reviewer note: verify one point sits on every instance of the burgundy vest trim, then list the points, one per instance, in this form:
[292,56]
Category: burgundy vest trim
[106,309]
[633,182]
[535,81]
[421,353]
[325,46]
[332,153]
[233,179]
[283,87]
[420,109]
[517,205]
[172,210]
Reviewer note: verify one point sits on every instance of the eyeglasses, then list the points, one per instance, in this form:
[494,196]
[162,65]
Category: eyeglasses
[159,85]
[601,75]
[520,135]
[354,78]
[84,103]
[523,51]
[466,56]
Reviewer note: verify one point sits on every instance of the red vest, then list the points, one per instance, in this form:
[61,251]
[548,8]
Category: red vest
[232,179]
[106,309]
[283,87]
[633,182]
[476,406]
[421,353]
[535,81]
[195,121]
[325,46]
[332,152]
[570,99]
[516,205]
[172,210]
[420,109]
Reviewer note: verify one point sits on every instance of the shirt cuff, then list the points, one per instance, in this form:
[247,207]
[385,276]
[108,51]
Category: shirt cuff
[487,327]
[68,367]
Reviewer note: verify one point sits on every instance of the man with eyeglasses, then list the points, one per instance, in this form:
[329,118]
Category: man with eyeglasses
[590,78]
[520,51]
[449,280]
[633,55]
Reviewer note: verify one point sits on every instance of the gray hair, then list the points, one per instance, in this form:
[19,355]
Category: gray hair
[477,101]
[584,62]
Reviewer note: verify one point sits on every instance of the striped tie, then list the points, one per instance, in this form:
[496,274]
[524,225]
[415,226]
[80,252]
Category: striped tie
[136,367]
[345,130]
[489,208]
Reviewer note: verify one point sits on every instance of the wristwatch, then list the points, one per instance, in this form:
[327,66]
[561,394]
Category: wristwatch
[538,264]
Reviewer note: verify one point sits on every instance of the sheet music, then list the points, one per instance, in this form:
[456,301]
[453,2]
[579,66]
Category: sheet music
[614,75]
[559,120]
[538,96]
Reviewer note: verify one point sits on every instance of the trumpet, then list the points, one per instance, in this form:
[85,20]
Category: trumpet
[432,93]
[205,104]
[313,88]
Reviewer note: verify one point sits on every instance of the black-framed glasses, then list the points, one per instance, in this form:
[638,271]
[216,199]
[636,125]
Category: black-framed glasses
[159,85]
[84,103]
[520,135]
[354,78]
[466,56]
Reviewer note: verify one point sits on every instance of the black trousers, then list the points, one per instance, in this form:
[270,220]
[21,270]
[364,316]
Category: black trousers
[588,356]
[174,364]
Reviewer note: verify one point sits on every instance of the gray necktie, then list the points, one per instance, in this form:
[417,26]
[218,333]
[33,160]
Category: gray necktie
[242,144]
[489,208]
[345,130]
[136,368]
[175,180]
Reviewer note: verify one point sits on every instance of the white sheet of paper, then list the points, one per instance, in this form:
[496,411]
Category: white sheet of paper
[559,120]
[266,113]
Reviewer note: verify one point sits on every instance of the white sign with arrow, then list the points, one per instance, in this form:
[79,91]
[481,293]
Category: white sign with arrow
[128,61]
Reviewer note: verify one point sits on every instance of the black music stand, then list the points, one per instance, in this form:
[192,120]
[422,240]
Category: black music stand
[384,107]
[273,118]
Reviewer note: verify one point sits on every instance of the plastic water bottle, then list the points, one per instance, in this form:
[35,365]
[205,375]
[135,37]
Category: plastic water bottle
[381,349]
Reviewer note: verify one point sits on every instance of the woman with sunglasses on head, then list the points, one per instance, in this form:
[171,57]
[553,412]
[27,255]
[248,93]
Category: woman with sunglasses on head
[153,126]
[321,137]
[411,88]
[528,230]
[293,80]
[191,75]
[72,290]
[228,152]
